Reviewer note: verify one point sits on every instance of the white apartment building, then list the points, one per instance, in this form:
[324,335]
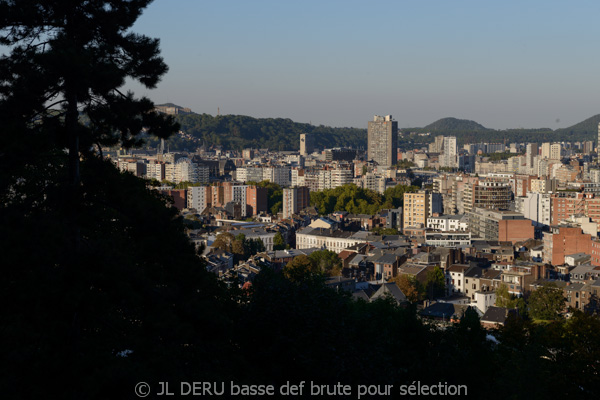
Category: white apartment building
[155,170]
[448,223]
[239,196]
[450,152]
[198,197]
[337,241]
[297,177]
[371,181]
[249,174]
[555,151]
[341,177]
[536,207]
[278,175]
[183,170]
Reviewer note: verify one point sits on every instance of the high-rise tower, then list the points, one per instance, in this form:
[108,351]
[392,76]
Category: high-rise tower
[306,144]
[383,140]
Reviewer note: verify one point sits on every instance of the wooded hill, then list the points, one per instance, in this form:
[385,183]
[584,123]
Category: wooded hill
[238,132]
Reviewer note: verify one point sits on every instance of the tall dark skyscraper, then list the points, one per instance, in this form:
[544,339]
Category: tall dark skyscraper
[383,140]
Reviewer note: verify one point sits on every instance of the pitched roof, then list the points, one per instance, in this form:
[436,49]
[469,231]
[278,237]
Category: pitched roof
[386,259]
[496,315]
[389,289]
[360,294]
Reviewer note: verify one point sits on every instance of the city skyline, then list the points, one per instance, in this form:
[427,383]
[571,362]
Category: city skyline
[508,65]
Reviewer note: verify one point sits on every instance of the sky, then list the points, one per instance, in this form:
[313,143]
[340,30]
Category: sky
[504,64]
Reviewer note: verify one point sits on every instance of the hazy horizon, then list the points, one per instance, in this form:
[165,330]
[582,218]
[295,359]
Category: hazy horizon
[505,65]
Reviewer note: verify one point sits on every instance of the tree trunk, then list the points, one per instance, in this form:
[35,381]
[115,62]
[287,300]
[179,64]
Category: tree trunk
[72,116]
[71,125]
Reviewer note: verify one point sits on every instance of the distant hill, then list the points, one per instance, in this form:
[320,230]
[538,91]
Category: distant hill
[239,132]
[589,128]
[454,124]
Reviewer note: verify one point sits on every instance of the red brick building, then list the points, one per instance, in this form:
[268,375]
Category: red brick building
[515,230]
[562,241]
[573,203]
[256,200]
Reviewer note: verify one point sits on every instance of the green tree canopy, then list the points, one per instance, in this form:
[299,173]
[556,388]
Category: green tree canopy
[278,241]
[506,300]
[435,283]
[546,303]
[301,268]
[357,200]
[327,261]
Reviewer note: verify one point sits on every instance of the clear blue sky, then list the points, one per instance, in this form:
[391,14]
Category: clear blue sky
[504,64]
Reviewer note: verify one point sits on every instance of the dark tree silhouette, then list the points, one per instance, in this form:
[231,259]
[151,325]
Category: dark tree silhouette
[101,288]
[72,57]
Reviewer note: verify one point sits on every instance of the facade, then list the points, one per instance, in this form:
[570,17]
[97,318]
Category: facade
[555,151]
[536,207]
[383,140]
[447,223]
[251,199]
[447,239]
[531,153]
[543,185]
[256,200]
[184,170]
[278,175]
[501,225]
[487,194]
[546,150]
[416,208]
[156,170]
[325,238]
[307,144]
[566,204]
[450,152]
[238,195]
[565,240]
[371,181]
[294,200]
[198,197]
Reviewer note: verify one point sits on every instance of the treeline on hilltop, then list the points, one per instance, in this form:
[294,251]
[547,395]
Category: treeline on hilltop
[471,132]
[238,132]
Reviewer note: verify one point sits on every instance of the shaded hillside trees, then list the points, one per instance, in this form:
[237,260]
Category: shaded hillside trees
[238,132]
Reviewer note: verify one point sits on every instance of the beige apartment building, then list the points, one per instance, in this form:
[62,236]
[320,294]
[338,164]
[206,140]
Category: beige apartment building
[416,208]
